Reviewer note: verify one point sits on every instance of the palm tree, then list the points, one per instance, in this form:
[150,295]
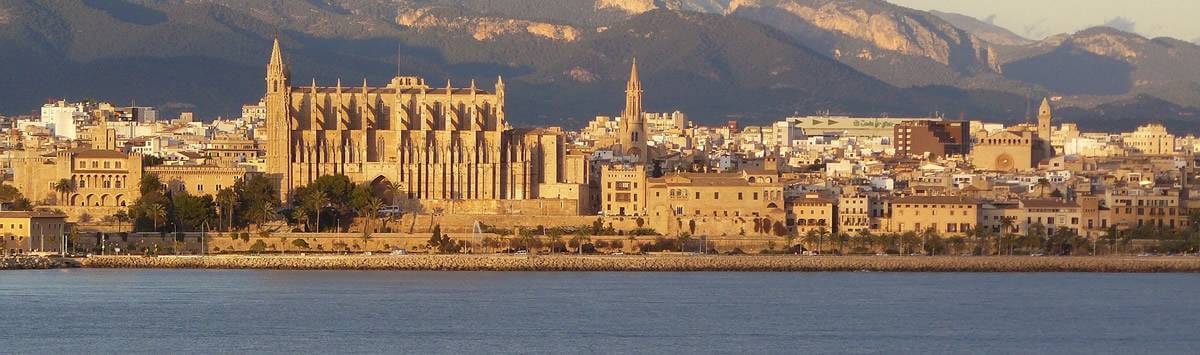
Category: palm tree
[981,234]
[313,200]
[811,237]
[121,217]
[1007,225]
[1042,185]
[822,233]
[866,239]
[64,187]
[157,213]
[394,190]
[369,211]
[227,200]
[265,212]
[437,211]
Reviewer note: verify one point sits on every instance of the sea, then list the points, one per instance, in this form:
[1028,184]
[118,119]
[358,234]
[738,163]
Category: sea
[333,312]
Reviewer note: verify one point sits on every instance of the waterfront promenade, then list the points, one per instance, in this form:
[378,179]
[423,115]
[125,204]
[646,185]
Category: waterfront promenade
[658,263]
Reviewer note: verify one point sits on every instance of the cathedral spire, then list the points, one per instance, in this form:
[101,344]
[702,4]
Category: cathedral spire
[635,84]
[276,56]
[633,95]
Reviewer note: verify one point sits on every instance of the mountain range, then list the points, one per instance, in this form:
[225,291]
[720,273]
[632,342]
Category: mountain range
[565,61]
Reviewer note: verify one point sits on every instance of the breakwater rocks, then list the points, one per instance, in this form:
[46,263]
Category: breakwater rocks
[658,263]
[29,262]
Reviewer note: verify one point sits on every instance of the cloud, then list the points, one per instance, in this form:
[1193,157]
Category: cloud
[1196,40]
[991,19]
[1121,23]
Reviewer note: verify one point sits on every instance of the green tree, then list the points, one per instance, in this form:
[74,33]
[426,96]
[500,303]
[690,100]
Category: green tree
[227,200]
[64,187]
[258,247]
[300,243]
[156,212]
[192,211]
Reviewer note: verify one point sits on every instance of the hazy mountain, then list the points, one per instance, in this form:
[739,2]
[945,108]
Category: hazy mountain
[566,60]
[209,56]
[1105,61]
[986,31]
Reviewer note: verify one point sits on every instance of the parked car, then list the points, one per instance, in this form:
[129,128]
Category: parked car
[399,252]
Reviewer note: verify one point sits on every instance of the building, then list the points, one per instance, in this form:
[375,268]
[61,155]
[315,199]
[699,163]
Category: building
[63,118]
[32,231]
[935,138]
[440,145]
[1138,207]
[101,178]
[197,179]
[1151,139]
[947,215]
[814,212]
[843,126]
[623,190]
[740,203]
[631,135]
[1008,150]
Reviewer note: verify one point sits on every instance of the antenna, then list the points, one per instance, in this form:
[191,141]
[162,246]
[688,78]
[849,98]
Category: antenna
[1027,105]
[398,50]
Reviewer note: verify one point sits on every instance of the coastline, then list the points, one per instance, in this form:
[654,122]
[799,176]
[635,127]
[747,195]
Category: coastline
[660,263]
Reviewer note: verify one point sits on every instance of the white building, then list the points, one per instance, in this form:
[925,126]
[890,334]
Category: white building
[63,118]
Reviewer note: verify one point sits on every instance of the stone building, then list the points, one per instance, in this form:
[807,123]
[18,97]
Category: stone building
[1018,148]
[1151,139]
[814,212]
[631,135]
[197,179]
[948,215]
[101,178]
[716,203]
[31,231]
[440,145]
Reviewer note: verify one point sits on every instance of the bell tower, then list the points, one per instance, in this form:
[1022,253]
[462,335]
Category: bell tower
[633,124]
[279,125]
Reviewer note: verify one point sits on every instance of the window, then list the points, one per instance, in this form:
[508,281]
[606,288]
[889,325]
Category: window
[739,196]
[716,195]
[199,187]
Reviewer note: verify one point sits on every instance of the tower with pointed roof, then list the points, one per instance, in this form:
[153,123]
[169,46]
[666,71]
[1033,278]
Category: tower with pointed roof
[1043,120]
[633,125]
[278,124]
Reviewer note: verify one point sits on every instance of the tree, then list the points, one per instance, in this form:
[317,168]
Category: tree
[12,199]
[122,217]
[192,211]
[1008,225]
[1111,237]
[300,243]
[909,241]
[227,200]
[64,187]
[369,211]
[258,247]
[312,201]
[156,212]
[811,237]
[437,211]
[1042,185]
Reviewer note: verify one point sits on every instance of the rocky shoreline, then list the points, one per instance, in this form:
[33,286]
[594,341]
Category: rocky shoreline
[658,263]
[29,262]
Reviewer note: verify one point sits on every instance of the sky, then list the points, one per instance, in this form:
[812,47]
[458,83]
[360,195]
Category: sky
[1037,19]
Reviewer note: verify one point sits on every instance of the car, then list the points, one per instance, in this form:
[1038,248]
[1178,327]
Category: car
[618,253]
[399,252]
[522,252]
[1037,254]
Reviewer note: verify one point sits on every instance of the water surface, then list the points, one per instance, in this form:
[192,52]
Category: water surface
[210,311]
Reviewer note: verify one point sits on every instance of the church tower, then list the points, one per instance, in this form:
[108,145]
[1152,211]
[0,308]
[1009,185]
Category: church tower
[278,122]
[633,124]
[1043,123]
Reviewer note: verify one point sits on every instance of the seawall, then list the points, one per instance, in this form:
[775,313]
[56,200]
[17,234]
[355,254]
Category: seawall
[29,262]
[658,263]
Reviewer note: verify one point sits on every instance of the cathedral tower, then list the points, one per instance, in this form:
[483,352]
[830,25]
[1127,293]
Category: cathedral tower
[1043,123]
[278,122]
[633,124]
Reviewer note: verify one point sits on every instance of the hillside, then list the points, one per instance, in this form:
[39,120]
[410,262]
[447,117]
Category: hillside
[208,56]
[990,33]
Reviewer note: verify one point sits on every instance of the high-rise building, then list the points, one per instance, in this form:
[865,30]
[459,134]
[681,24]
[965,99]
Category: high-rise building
[936,138]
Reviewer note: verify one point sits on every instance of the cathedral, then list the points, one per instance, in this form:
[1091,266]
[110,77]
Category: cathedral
[437,144]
